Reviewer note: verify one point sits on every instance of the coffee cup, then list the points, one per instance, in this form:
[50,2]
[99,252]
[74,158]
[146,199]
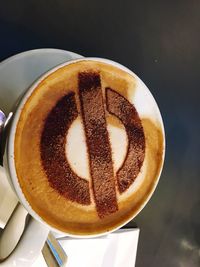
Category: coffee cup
[84,151]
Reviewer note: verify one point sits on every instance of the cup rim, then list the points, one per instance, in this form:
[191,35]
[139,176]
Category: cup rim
[11,138]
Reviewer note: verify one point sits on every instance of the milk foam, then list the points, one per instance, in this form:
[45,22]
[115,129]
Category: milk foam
[145,103]
[76,148]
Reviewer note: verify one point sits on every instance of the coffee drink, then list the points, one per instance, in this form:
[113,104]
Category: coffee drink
[88,147]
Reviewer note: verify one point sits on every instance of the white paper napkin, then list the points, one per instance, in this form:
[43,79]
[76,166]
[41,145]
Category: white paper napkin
[8,200]
[118,249]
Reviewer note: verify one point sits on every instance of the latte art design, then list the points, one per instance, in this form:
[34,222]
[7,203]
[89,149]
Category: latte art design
[94,107]
[88,147]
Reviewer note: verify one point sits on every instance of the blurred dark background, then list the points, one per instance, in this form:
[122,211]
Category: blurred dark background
[160,42]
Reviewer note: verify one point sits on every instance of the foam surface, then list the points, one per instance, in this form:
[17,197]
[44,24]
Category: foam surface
[57,210]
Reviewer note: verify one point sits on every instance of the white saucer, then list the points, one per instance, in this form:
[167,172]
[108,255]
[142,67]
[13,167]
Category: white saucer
[18,72]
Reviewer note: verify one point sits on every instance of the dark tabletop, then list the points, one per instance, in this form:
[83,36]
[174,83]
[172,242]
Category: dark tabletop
[160,42]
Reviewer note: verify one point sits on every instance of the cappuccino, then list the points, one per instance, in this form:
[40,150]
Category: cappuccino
[88,147]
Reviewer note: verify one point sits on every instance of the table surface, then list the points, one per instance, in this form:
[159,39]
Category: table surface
[159,41]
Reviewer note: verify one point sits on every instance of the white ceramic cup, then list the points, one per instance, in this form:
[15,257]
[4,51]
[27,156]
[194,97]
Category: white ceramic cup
[36,232]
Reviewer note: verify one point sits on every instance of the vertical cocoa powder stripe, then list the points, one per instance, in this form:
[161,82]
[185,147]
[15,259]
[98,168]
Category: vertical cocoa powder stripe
[53,156]
[99,150]
[120,107]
